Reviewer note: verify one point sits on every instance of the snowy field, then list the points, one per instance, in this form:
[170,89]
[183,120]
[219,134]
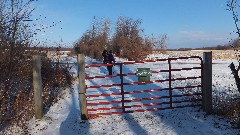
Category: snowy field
[63,117]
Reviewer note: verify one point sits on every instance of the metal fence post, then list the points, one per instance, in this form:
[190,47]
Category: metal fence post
[82,86]
[170,82]
[122,90]
[37,86]
[207,82]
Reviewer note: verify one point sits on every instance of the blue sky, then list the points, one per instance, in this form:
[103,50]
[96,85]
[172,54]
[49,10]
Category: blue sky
[187,23]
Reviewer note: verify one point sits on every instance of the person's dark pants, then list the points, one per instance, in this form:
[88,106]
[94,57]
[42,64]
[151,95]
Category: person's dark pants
[109,70]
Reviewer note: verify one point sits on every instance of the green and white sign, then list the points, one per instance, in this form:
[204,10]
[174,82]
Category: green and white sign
[144,72]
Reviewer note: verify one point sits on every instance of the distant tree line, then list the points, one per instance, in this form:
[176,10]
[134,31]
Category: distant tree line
[235,44]
[231,45]
[126,39]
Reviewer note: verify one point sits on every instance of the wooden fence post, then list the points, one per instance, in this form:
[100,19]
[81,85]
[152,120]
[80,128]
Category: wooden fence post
[37,86]
[81,78]
[207,82]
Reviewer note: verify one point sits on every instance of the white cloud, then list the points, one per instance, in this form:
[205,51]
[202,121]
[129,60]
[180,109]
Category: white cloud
[202,36]
[195,39]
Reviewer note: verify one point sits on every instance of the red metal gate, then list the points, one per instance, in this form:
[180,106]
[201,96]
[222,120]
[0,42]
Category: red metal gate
[127,96]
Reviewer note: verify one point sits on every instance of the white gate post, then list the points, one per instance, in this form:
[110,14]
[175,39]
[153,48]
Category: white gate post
[207,82]
[82,86]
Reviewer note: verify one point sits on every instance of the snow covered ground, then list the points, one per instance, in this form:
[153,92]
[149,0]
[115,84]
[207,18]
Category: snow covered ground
[63,117]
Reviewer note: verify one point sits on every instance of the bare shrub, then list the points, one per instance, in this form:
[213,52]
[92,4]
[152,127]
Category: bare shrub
[228,108]
[232,111]
[127,41]
[16,99]
[16,91]
[96,39]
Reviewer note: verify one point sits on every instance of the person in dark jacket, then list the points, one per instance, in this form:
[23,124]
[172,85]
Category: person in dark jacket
[105,56]
[111,60]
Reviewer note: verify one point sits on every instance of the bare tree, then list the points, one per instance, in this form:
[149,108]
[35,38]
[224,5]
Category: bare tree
[96,39]
[15,37]
[129,40]
[16,93]
[233,5]
[159,43]
[14,63]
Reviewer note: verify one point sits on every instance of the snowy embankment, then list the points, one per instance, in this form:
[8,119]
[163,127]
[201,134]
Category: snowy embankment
[63,117]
